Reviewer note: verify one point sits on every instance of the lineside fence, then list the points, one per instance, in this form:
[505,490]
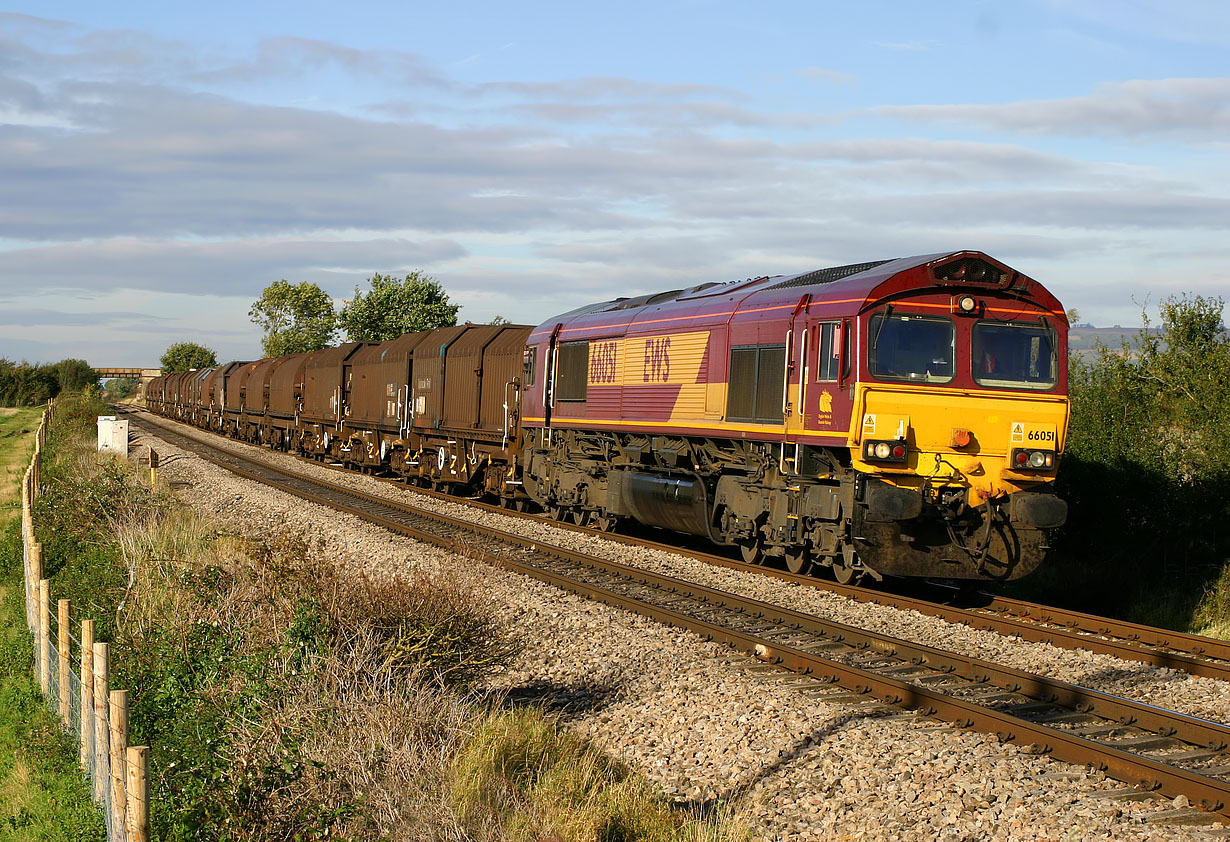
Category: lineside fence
[72,674]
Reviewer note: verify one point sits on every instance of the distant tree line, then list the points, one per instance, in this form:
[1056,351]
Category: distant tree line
[27,384]
[1146,473]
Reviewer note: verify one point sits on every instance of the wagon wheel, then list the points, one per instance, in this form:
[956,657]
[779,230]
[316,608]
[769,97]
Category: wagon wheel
[798,559]
[521,504]
[605,523]
[556,512]
[752,550]
[579,516]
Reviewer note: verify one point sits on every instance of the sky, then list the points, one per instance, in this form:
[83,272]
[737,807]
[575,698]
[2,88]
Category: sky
[162,163]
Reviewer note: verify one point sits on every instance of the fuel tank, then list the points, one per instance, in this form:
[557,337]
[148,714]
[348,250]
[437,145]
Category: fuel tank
[674,503]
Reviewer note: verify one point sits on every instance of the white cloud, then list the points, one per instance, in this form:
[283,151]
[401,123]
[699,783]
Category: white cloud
[1188,109]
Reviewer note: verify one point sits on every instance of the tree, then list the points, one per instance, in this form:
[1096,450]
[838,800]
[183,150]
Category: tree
[185,356]
[119,388]
[296,318]
[393,307]
[74,375]
[23,384]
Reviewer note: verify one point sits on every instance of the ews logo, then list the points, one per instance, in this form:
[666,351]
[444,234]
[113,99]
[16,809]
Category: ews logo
[657,360]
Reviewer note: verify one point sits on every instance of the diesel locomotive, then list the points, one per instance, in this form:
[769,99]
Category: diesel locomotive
[892,418]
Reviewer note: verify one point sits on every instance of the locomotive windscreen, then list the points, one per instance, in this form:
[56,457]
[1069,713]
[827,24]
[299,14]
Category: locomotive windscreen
[907,347]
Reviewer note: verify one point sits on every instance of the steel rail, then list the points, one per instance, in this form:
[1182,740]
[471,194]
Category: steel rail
[1212,793]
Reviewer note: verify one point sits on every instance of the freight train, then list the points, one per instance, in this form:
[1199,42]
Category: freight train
[892,418]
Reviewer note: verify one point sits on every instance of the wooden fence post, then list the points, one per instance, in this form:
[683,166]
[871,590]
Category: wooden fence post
[101,728]
[119,757]
[87,694]
[43,641]
[138,794]
[36,574]
[65,670]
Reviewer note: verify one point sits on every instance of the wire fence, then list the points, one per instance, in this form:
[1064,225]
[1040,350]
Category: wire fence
[73,674]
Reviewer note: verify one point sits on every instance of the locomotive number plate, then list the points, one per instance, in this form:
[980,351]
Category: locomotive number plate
[1038,435]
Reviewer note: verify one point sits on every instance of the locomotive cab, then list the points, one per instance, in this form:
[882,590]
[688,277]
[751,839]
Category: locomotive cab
[959,418]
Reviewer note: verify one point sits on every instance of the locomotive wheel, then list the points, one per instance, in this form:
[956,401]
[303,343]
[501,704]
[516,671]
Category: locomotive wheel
[752,550]
[844,570]
[798,559]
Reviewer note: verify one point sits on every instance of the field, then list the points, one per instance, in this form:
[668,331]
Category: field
[17,428]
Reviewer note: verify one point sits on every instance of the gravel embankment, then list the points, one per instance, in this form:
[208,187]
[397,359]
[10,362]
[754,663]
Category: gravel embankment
[709,725]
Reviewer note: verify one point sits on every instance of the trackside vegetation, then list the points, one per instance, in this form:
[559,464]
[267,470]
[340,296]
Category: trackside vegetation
[26,384]
[1147,477]
[42,793]
[286,697]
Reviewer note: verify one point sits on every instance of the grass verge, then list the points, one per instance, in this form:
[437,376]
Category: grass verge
[287,697]
[42,793]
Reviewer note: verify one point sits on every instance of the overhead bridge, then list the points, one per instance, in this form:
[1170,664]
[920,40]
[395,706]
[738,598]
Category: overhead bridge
[143,374]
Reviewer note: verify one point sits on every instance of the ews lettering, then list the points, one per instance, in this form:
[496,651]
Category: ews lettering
[602,359]
[657,360]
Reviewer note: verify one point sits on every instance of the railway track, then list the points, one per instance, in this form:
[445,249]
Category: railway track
[1156,749]
[1066,629]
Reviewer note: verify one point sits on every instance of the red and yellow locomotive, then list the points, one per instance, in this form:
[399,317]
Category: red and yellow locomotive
[901,417]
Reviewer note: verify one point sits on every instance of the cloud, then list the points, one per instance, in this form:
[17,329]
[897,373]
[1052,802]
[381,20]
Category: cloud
[35,317]
[293,57]
[526,198]
[820,75]
[1191,109]
[592,88]
[230,267]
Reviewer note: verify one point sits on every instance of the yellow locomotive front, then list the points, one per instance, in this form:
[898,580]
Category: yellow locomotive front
[958,418]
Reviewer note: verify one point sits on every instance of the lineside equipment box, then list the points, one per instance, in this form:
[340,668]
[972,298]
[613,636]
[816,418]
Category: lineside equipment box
[112,435]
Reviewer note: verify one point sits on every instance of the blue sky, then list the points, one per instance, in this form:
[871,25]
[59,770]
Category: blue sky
[160,166]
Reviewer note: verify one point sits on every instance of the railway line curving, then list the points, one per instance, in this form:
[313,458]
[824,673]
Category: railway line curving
[1176,754]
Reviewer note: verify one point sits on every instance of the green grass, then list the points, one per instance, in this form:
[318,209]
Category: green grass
[43,794]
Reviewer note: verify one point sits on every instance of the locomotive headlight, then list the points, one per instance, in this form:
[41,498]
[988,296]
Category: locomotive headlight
[965,305]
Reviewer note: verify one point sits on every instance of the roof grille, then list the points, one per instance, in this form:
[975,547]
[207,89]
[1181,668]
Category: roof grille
[828,276]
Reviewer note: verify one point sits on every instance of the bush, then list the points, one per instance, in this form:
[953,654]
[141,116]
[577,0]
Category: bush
[1147,474]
